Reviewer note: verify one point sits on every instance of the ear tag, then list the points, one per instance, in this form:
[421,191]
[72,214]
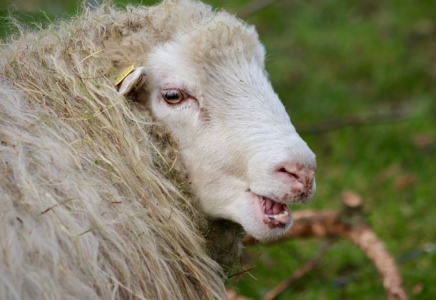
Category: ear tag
[124,74]
[130,79]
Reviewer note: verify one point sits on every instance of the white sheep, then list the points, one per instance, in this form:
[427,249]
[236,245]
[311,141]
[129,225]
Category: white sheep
[98,178]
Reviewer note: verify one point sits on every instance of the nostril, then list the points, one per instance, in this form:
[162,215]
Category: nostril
[289,173]
[283,170]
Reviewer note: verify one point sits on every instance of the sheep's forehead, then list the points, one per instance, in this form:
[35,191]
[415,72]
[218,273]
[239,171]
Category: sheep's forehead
[211,34]
[218,58]
[223,39]
[214,49]
[221,50]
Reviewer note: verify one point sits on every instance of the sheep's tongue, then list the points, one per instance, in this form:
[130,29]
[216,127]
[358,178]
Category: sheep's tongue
[273,208]
[268,204]
[278,208]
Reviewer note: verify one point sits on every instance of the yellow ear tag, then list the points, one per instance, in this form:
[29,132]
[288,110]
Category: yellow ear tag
[124,74]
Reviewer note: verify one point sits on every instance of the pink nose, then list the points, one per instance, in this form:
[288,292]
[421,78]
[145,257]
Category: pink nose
[299,180]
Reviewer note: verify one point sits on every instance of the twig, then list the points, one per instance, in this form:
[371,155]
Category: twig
[255,7]
[299,273]
[58,204]
[242,272]
[377,119]
[349,223]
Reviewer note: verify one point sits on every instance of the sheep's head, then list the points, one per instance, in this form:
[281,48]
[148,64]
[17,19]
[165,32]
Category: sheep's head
[245,160]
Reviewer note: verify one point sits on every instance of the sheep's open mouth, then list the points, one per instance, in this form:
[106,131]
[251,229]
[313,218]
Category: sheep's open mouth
[272,213]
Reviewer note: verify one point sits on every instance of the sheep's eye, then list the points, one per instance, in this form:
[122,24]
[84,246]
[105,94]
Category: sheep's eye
[174,96]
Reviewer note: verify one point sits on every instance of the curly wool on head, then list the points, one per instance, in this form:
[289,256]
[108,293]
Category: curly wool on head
[88,210]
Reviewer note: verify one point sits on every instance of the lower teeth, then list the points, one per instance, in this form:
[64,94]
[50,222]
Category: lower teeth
[282,215]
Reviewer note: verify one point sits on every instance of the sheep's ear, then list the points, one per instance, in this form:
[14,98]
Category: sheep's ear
[131,79]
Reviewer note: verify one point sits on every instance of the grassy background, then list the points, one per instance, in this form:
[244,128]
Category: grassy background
[329,60]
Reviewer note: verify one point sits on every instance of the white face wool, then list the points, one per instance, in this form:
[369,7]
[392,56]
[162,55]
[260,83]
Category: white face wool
[245,160]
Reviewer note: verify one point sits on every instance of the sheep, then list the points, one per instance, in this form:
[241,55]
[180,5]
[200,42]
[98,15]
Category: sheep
[122,132]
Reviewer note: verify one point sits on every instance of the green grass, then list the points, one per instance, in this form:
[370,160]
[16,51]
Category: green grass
[333,59]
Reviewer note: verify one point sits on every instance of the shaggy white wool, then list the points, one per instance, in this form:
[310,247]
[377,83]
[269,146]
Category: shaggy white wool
[96,193]
[86,209]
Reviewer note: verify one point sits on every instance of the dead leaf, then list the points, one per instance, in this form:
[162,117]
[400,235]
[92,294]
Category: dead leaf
[232,295]
[406,181]
[423,140]
[351,199]
[417,288]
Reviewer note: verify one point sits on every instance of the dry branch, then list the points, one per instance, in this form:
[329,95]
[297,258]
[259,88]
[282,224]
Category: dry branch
[308,224]
[375,249]
[348,223]
[369,120]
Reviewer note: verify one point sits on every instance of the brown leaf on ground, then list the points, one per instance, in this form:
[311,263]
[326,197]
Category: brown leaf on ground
[422,141]
[232,295]
[417,289]
[406,181]
[351,199]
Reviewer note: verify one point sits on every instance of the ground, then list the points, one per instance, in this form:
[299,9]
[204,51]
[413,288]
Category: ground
[335,60]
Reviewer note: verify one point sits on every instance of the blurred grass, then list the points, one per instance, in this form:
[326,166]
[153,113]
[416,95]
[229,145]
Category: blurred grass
[332,59]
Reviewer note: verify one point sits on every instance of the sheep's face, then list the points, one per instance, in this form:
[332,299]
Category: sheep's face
[245,160]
